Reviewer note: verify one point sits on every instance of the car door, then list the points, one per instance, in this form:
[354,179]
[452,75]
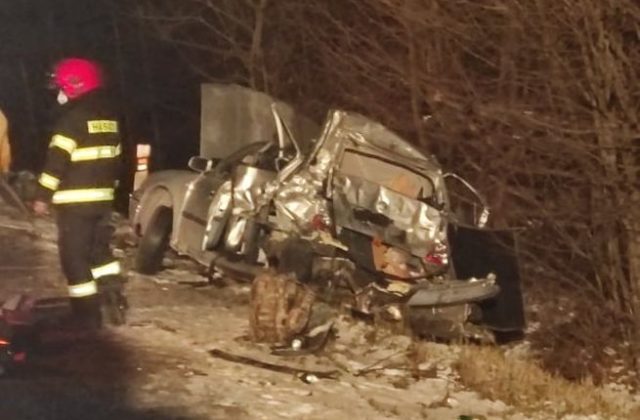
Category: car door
[193,215]
[208,197]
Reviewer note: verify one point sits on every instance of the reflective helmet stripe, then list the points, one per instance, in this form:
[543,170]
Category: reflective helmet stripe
[83,196]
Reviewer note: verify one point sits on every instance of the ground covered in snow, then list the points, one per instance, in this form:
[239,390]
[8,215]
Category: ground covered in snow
[159,365]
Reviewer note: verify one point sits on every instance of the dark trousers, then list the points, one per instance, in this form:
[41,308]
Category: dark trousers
[83,242]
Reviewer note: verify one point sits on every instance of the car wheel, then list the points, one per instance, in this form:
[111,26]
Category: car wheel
[154,242]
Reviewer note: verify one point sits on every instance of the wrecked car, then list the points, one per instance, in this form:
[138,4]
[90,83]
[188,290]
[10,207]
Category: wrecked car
[349,205]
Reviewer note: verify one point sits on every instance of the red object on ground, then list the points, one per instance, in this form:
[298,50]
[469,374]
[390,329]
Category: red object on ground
[20,357]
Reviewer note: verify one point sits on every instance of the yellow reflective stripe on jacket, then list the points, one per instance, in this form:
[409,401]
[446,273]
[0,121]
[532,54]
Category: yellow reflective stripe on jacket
[94,153]
[111,269]
[83,289]
[102,126]
[83,195]
[49,181]
[65,143]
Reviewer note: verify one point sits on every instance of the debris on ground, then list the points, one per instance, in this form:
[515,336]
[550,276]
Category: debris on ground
[304,374]
[280,307]
[159,365]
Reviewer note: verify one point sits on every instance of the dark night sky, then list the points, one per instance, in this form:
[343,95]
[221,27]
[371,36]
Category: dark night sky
[158,95]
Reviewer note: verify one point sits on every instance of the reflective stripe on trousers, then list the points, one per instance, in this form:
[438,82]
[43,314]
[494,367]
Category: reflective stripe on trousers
[83,289]
[83,243]
[83,195]
[110,269]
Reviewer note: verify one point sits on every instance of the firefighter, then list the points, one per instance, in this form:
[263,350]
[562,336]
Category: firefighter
[79,178]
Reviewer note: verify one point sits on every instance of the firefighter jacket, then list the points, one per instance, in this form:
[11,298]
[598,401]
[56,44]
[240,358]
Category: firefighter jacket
[83,160]
[5,147]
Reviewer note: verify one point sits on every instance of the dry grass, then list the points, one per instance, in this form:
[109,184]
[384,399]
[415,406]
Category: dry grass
[528,387]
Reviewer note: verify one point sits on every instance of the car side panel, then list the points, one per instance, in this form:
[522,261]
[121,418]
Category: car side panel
[163,188]
[192,216]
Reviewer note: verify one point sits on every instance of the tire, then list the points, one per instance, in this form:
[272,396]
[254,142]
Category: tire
[154,242]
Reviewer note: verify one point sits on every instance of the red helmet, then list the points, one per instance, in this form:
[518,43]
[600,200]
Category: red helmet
[77,76]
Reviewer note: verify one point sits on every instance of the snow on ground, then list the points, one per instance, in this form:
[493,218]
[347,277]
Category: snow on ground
[158,366]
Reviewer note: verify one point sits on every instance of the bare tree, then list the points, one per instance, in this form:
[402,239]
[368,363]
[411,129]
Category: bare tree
[536,101]
[228,32]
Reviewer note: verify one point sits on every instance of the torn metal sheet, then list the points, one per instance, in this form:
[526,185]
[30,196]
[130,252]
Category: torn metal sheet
[476,252]
[247,186]
[456,292]
[377,211]
[233,116]
[233,204]
[298,203]
[357,130]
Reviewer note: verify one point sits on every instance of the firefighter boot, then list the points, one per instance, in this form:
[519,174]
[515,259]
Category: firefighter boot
[114,304]
[85,313]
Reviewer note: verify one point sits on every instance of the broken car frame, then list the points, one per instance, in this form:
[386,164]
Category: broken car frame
[353,206]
